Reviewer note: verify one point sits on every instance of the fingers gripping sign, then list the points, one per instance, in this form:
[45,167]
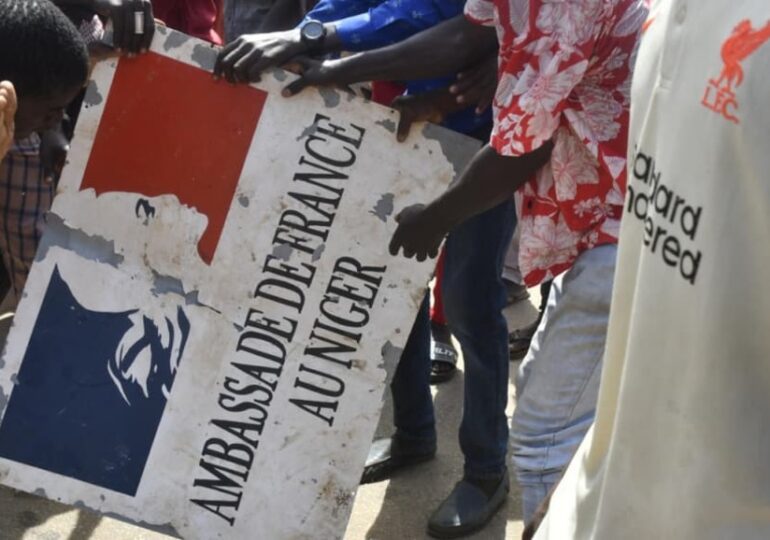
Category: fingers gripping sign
[477,85]
[243,60]
[132,21]
[311,73]
[419,235]
[143,27]
[417,108]
[236,60]
[405,120]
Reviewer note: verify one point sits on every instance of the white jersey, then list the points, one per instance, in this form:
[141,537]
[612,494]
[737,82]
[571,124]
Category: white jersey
[680,448]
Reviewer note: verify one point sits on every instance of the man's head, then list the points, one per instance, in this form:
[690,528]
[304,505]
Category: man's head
[43,55]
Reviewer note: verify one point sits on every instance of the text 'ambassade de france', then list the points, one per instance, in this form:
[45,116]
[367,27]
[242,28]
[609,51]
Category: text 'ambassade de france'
[251,378]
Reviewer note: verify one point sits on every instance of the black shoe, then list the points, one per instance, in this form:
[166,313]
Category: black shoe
[386,456]
[514,292]
[468,508]
[443,356]
[520,339]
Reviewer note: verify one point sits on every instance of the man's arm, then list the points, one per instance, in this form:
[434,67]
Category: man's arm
[440,51]
[489,180]
[423,56]
[473,87]
[123,14]
[351,25]
[382,22]
[244,59]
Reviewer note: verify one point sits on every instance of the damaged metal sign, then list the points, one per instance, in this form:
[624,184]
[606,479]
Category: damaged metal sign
[203,342]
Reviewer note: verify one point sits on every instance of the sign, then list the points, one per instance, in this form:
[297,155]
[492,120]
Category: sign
[203,342]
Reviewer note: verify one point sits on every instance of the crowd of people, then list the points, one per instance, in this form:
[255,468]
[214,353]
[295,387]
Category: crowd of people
[624,171]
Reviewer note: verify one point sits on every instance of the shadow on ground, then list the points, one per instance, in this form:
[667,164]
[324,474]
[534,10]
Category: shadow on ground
[22,513]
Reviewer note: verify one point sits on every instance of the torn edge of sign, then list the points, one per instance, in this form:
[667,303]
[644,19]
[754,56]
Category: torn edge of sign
[458,149]
[384,207]
[91,247]
[391,355]
[98,249]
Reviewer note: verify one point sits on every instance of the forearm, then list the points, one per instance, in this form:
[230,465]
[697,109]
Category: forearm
[489,180]
[423,56]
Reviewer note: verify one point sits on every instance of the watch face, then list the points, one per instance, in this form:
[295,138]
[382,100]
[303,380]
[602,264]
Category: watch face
[313,30]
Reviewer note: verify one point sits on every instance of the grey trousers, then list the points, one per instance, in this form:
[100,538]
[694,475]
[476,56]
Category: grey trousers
[558,381]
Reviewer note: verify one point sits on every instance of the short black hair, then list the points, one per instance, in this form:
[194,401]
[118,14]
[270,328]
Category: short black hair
[41,51]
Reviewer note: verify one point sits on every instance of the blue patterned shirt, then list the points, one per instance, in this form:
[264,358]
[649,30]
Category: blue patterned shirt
[370,24]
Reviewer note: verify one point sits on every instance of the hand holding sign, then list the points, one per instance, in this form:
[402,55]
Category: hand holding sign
[427,107]
[132,21]
[245,58]
[419,233]
[477,85]
[311,73]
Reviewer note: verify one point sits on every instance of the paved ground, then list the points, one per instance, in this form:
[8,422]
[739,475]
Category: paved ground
[394,510]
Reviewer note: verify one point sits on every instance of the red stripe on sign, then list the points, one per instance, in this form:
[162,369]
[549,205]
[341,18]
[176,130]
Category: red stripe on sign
[169,129]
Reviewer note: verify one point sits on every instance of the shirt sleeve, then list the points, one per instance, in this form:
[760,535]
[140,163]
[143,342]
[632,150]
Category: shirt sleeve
[390,21]
[328,11]
[480,12]
[537,78]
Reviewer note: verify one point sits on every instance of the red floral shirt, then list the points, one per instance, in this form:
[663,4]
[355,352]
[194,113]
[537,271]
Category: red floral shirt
[564,75]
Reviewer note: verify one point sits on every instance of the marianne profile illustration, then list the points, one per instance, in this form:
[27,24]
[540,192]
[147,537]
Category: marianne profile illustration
[92,389]
[147,358]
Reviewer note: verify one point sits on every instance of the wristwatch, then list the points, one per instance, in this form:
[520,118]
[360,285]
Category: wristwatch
[313,33]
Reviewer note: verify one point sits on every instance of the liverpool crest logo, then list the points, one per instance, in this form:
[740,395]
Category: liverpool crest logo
[742,43]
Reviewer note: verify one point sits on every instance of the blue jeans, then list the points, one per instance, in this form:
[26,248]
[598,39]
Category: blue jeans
[474,297]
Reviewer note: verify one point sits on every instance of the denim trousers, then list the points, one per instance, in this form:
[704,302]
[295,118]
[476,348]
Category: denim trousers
[558,381]
[474,297]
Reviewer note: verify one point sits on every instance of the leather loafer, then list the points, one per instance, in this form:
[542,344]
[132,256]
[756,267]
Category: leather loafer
[388,455]
[467,509]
